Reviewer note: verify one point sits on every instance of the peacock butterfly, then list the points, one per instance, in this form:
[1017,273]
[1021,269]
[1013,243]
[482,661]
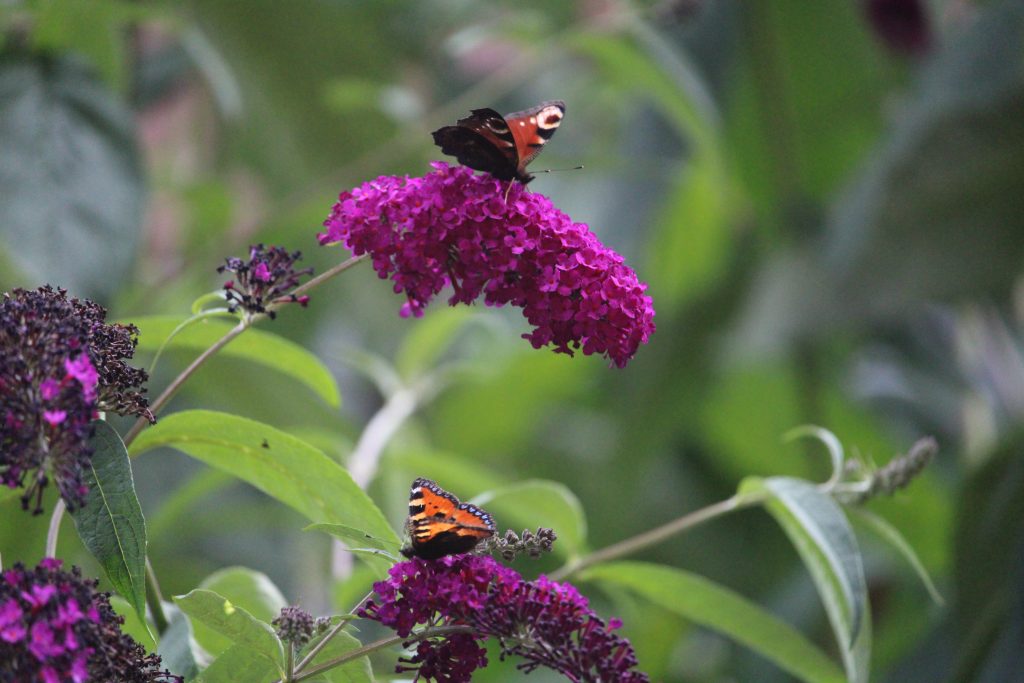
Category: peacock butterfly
[501,145]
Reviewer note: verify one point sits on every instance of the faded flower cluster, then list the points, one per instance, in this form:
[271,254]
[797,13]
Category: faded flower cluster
[60,364]
[268,276]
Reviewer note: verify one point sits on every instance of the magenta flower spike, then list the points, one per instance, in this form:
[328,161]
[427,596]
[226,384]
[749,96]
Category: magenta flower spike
[544,622]
[55,626]
[453,227]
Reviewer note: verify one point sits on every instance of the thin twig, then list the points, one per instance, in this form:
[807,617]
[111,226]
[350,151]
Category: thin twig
[314,282]
[155,599]
[658,534]
[380,644]
[175,385]
[54,530]
[330,634]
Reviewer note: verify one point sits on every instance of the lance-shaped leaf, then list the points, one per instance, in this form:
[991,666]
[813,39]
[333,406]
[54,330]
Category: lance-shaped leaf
[110,523]
[822,536]
[277,463]
[716,607]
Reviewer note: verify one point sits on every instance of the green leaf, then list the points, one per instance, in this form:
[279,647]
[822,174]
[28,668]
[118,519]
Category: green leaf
[356,671]
[71,186]
[263,348]
[716,607]
[822,536]
[662,75]
[986,615]
[178,649]
[133,626]
[181,502]
[6,493]
[234,622]
[378,553]
[356,537]
[829,440]
[200,303]
[110,523]
[539,503]
[239,663]
[891,534]
[289,470]
[251,590]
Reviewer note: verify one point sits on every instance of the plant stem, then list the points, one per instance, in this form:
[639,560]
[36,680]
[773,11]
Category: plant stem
[175,385]
[155,599]
[380,644]
[314,282]
[333,632]
[658,534]
[54,530]
[289,664]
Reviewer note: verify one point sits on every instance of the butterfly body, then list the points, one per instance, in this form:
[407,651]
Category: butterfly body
[439,525]
[501,145]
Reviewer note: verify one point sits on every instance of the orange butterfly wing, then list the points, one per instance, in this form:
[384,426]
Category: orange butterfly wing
[532,128]
[440,525]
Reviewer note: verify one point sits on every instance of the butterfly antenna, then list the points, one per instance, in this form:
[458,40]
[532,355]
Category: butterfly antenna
[554,170]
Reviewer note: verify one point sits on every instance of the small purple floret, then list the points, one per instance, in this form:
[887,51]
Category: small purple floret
[81,369]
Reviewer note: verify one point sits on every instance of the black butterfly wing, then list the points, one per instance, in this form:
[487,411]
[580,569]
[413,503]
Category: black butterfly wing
[474,150]
[483,142]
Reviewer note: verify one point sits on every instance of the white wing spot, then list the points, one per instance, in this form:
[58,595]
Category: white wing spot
[551,117]
[522,123]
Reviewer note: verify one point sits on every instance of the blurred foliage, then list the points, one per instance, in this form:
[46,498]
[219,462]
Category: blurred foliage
[831,230]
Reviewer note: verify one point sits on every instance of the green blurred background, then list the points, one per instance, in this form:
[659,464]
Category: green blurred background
[826,199]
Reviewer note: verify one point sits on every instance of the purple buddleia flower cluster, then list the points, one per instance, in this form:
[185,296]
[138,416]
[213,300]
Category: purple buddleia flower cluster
[544,622]
[60,364]
[269,276]
[55,627]
[455,227]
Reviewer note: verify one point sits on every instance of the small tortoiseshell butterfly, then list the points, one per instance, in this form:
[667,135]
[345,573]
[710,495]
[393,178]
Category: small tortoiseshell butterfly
[501,145]
[440,525]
